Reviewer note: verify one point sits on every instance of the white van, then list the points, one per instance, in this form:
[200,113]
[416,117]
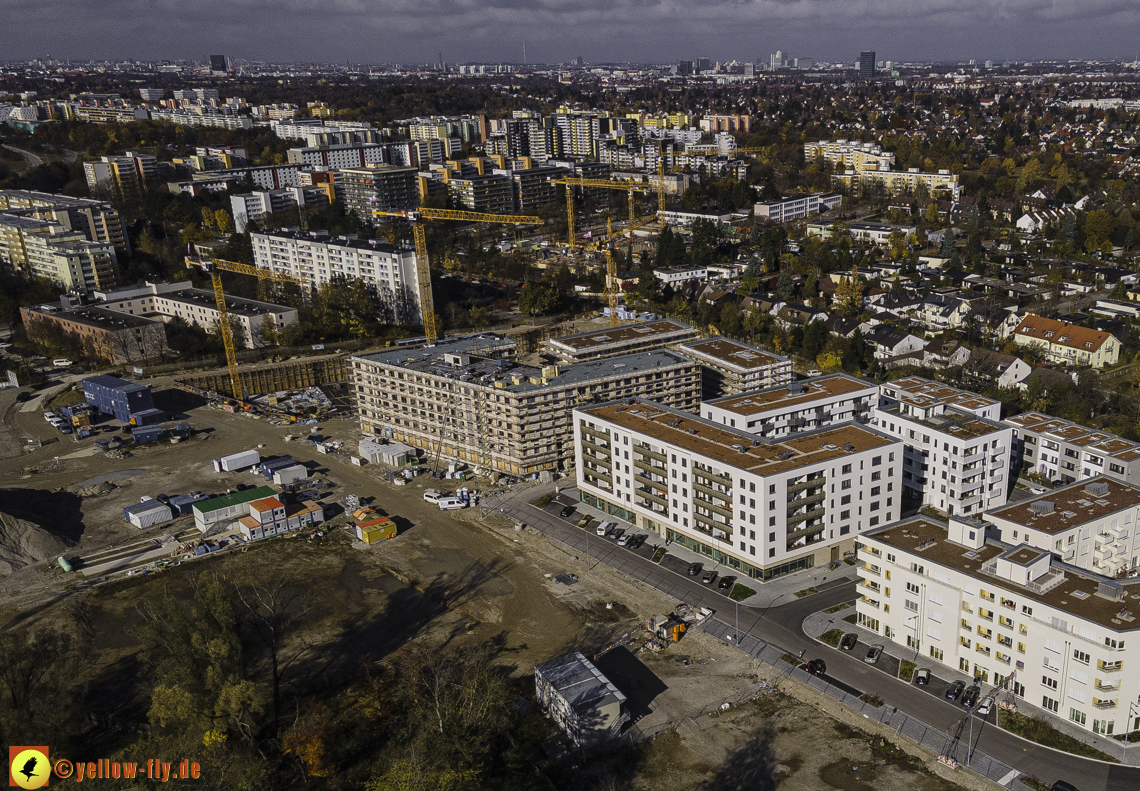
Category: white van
[603,528]
[431,496]
[451,503]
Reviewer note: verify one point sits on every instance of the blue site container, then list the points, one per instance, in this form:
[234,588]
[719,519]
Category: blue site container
[118,397]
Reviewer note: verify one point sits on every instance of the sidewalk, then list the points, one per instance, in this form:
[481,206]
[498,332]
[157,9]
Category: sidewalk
[819,622]
[767,593]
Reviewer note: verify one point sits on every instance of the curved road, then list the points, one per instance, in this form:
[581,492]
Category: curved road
[782,626]
[33,160]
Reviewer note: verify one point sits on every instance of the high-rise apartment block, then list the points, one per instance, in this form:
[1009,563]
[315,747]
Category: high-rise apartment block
[42,248]
[126,174]
[316,258]
[469,400]
[762,508]
[788,409]
[867,65]
[252,207]
[379,187]
[731,367]
[97,220]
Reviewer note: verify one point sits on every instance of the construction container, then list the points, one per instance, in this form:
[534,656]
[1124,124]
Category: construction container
[379,529]
[148,417]
[237,461]
[117,397]
[227,507]
[148,514]
[63,564]
[270,466]
[143,435]
[292,474]
[183,504]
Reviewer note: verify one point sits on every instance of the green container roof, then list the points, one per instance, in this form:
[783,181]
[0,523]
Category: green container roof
[237,498]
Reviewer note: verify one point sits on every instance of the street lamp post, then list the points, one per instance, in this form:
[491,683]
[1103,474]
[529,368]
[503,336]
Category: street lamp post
[1132,709]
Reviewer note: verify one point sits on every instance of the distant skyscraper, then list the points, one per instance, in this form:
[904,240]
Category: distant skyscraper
[703,64]
[218,64]
[867,65]
[685,68]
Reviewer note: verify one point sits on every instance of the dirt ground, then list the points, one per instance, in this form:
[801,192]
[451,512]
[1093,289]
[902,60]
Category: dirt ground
[447,576]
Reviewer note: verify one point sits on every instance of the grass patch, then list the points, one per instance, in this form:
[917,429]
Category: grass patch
[871,700]
[851,618]
[1034,783]
[741,592]
[832,637]
[792,660]
[906,670]
[806,592]
[659,553]
[543,501]
[837,608]
[585,522]
[1041,732]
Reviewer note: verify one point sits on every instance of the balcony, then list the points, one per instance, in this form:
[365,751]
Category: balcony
[1109,667]
[704,502]
[800,502]
[724,530]
[795,519]
[868,585]
[650,482]
[598,450]
[652,454]
[586,430]
[1103,687]
[874,603]
[652,496]
[796,535]
[809,483]
[997,465]
[649,467]
[873,570]
[1104,704]
[724,496]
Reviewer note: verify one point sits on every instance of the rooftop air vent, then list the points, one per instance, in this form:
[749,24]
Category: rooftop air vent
[849,447]
[740,448]
[692,431]
[785,456]
[1096,489]
[1041,507]
[755,443]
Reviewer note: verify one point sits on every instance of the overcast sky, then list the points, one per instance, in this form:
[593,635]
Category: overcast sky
[659,31]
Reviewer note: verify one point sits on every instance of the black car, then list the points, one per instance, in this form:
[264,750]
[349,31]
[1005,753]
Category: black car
[567,511]
[695,569]
[1062,785]
[849,641]
[617,533]
[726,583]
[637,541]
[709,578]
[955,690]
[970,696]
[817,667]
[922,677]
[23,396]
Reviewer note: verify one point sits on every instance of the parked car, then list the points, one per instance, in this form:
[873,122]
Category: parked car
[1038,489]
[873,654]
[623,541]
[61,362]
[48,416]
[63,428]
[970,696]
[922,677]
[1062,785]
[849,641]
[814,372]
[985,705]
[726,583]
[817,667]
[955,690]
[602,528]
[431,496]
[23,396]
[637,541]
[695,569]
[709,578]
[617,534]
[567,511]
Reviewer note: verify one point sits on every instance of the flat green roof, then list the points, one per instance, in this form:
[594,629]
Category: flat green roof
[237,498]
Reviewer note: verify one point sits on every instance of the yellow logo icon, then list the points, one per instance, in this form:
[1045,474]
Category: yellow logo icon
[28,767]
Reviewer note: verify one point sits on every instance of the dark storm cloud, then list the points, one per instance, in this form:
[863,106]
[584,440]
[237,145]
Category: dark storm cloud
[600,30]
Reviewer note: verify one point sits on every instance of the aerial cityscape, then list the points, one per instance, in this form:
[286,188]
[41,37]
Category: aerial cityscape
[425,407]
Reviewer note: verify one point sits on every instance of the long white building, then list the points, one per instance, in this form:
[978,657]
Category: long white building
[991,608]
[957,452]
[316,258]
[796,207]
[761,508]
[799,406]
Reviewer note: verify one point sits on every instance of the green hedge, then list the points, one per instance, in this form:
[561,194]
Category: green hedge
[832,637]
[543,501]
[1041,732]
[906,670]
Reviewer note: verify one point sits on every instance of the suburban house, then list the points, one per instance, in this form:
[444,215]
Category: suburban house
[1005,370]
[891,342]
[1072,344]
[792,316]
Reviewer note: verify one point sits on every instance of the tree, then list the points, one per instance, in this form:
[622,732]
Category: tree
[1030,176]
[948,244]
[849,293]
[208,217]
[1099,226]
[37,671]
[538,299]
[223,221]
[931,215]
[815,338]
[268,330]
[828,362]
[1036,394]
[648,285]
[785,286]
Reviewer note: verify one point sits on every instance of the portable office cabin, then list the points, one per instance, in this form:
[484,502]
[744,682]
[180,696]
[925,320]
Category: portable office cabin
[228,507]
[237,461]
[270,466]
[147,514]
[586,705]
[183,504]
[284,475]
[119,398]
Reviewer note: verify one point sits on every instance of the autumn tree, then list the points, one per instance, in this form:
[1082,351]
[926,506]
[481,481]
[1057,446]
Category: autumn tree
[268,330]
[849,293]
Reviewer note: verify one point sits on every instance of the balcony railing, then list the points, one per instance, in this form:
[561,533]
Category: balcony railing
[796,535]
[649,494]
[867,567]
[716,508]
[795,519]
[650,482]
[649,467]
[725,496]
[644,451]
[1103,687]
[1114,667]
[1104,704]
[596,448]
[800,486]
[800,502]
[720,527]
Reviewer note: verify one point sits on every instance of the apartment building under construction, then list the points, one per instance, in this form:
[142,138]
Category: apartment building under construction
[471,400]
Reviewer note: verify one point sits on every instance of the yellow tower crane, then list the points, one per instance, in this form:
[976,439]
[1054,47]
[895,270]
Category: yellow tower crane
[423,268]
[215,267]
[629,187]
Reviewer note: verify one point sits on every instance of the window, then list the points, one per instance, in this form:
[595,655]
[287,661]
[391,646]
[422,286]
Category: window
[1051,683]
[1102,727]
[911,587]
[845,514]
[876,475]
[936,653]
[846,469]
[845,500]
[912,605]
[1080,656]
[1077,716]
[875,491]
[1049,704]
[846,484]
[875,462]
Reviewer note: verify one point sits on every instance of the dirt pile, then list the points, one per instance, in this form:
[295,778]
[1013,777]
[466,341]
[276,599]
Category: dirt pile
[36,525]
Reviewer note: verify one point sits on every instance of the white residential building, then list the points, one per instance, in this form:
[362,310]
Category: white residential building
[799,406]
[760,508]
[991,608]
[316,258]
[957,452]
[1091,524]
[1066,451]
[674,276]
[797,207]
[251,207]
[198,307]
[731,367]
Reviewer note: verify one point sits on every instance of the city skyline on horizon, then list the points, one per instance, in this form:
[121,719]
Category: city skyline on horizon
[378,32]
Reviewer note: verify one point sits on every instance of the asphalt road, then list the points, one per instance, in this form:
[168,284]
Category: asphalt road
[781,625]
[33,160]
